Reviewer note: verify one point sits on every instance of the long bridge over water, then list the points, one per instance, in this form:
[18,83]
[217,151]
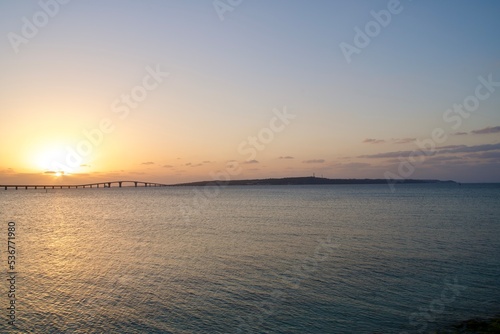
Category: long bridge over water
[88,185]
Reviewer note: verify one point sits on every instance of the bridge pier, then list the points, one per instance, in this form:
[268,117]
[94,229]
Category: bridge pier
[120,184]
[135,183]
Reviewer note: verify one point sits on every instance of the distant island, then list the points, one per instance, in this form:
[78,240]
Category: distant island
[308,180]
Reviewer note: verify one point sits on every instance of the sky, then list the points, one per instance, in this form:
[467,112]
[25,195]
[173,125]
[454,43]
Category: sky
[178,91]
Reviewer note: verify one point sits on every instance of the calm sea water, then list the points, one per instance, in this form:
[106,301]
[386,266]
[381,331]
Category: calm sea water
[285,259]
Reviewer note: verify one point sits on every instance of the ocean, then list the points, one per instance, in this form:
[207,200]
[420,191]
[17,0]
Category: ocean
[250,259]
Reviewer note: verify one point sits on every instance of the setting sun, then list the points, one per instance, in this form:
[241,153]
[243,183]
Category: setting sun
[50,160]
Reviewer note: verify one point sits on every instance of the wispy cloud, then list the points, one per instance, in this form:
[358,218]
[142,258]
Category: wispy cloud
[287,157]
[472,149]
[404,140]
[444,159]
[485,155]
[450,149]
[392,140]
[168,166]
[373,141]
[148,163]
[483,131]
[7,171]
[251,162]
[487,130]
[395,154]
[314,161]
[352,165]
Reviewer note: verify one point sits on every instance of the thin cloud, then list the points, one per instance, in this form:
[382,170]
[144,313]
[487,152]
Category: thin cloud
[473,149]
[287,157]
[7,171]
[488,130]
[373,141]
[451,149]
[460,133]
[314,161]
[352,165]
[396,154]
[394,140]
[404,140]
[485,155]
[148,163]
[251,162]
[168,166]
[444,159]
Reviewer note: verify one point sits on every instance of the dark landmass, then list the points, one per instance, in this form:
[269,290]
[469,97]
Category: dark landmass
[310,180]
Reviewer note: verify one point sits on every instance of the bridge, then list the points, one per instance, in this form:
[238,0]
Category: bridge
[118,184]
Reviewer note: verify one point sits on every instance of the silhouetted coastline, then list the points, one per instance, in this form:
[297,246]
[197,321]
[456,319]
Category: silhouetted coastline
[310,180]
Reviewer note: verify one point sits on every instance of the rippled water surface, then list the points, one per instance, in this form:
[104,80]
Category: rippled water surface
[284,259]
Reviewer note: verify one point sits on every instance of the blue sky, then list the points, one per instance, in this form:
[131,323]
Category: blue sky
[227,76]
